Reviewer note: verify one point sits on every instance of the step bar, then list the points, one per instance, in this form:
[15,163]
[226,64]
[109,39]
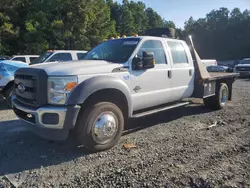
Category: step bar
[160,109]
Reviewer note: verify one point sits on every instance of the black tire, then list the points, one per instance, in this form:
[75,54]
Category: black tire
[8,92]
[85,126]
[216,102]
[169,32]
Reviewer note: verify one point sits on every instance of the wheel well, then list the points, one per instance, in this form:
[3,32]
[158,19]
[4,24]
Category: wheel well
[8,86]
[109,95]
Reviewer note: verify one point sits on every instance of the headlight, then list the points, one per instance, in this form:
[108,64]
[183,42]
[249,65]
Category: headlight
[59,88]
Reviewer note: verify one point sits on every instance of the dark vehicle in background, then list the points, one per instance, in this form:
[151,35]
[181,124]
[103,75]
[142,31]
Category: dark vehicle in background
[218,68]
[243,68]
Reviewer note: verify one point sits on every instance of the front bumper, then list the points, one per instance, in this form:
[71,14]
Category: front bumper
[50,117]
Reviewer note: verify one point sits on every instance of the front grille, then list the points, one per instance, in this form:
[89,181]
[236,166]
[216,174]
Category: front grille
[28,96]
[30,86]
[243,68]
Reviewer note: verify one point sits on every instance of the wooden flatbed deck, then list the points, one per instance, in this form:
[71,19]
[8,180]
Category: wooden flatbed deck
[221,75]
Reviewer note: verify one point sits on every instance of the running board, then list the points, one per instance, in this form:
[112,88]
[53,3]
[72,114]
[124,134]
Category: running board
[159,110]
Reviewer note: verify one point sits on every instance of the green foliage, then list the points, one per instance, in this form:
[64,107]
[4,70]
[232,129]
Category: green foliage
[32,26]
[222,34]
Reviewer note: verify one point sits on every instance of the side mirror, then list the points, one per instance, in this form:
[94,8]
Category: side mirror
[146,62]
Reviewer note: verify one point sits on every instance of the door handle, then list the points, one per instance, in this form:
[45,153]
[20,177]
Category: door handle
[169,74]
[190,72]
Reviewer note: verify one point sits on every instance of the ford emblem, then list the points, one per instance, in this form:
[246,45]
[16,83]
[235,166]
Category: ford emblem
[21,88]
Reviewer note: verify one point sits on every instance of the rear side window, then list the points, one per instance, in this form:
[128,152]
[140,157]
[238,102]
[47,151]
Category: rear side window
[19,59]
[178,52]
[61,57]
[80,56]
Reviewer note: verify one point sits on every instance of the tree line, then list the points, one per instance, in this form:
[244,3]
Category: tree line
[32,26]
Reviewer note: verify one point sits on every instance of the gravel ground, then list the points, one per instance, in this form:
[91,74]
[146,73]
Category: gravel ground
[185,147]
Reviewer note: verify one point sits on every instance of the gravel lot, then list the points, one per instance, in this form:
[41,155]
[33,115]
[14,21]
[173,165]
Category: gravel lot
[176,148]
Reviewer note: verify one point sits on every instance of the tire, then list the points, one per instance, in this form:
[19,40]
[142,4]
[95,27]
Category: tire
[85,130]
[170,32]
[220,99]
[9,91]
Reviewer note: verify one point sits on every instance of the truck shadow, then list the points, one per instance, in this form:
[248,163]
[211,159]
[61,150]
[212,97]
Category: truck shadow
[164,117]
[26,151]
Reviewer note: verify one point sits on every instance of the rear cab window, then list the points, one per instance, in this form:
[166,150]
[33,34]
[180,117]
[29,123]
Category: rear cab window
[32,58]
[178,52]
[80,56]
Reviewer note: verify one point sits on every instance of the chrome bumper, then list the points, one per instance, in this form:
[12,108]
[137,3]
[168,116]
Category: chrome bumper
[65,121]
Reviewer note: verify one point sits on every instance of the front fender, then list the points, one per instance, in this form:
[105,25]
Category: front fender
[94,84]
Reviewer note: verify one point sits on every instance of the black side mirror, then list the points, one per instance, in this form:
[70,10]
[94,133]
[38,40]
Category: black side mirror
[146,62]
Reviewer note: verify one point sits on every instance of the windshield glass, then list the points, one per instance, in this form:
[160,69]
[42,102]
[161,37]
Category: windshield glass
[117,50]
[245,62]
[41,58]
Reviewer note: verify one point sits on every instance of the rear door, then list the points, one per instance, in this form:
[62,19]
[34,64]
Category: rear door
[182,74]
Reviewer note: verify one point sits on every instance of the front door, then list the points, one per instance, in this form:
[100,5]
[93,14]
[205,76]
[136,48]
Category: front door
[151,87]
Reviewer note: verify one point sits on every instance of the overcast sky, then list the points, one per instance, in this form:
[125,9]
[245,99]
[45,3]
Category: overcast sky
[180,10]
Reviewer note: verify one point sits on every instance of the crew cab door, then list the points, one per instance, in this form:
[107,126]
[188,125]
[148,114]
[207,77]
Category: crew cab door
[151,87]
[182,73]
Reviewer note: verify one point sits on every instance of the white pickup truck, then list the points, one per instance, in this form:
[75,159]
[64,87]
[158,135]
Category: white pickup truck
[123,78]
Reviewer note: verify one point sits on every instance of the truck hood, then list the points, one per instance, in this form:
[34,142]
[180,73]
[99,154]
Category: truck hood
[77,67]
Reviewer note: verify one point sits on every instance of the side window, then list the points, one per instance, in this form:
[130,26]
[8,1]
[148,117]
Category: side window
[19,59]
[55,57]
[32,58]
[178,52]
[65,57]
[155,47]
[80,56]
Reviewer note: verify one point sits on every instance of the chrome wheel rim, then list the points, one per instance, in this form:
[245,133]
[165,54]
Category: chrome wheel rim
[105,127]
[224,96]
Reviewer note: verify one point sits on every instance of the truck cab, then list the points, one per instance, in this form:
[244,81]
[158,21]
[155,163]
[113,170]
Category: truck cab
[128,77]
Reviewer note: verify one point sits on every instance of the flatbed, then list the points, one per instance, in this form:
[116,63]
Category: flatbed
[222,75]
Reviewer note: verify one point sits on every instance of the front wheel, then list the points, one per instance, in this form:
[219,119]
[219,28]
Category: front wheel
[100,126]
[220,99]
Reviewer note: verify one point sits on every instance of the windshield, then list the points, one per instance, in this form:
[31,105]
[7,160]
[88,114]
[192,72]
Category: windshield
[117,50]
[41,58]
[245,62]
